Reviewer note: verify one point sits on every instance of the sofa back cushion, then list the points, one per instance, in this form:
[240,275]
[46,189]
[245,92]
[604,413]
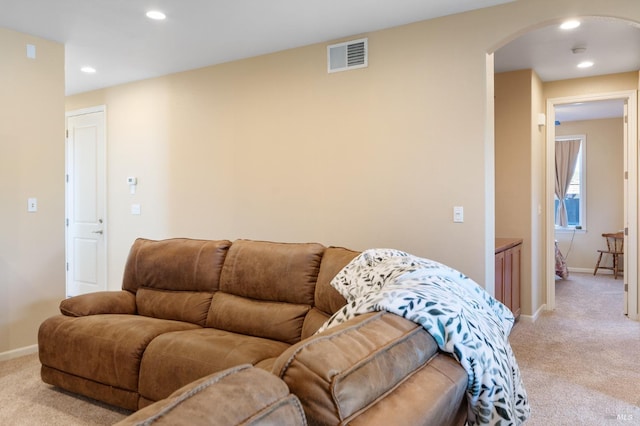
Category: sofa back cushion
[327,300]
[175,279]
[266,289]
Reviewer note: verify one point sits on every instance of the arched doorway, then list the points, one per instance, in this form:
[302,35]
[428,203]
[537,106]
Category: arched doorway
[536,168]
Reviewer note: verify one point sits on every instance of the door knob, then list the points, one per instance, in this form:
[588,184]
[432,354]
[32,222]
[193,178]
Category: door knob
[97,232]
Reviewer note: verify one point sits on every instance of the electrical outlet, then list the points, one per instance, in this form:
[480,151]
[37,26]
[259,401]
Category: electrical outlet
[32,205]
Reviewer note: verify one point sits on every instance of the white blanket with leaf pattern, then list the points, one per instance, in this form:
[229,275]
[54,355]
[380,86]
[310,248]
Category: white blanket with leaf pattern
[462,317]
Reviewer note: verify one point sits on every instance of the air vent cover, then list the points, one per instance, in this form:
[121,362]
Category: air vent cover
[348,55]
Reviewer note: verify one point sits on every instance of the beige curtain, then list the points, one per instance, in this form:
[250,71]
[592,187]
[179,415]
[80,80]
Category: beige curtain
[566,156]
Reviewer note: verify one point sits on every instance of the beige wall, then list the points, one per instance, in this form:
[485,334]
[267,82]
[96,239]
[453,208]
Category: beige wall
[512,152]
[273,147]
[31,165]
[591,85]
[605,195]
[513,161]
[519,173]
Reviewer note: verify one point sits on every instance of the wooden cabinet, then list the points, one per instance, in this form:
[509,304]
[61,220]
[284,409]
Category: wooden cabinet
[508,261]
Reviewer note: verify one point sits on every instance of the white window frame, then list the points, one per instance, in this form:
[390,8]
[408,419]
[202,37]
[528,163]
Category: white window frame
[582,227]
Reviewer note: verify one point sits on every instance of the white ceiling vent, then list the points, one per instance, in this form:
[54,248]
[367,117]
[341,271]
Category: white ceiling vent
[348,55]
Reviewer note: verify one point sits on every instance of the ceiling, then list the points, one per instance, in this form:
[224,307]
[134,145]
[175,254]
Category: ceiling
[593,110]
[123,45]
[613,45]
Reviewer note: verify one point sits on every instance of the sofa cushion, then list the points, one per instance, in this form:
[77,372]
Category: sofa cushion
[346,370]
[241,395]
[174,279]
[104,348]
[327,300]
[272,320]
[266,289]
[190,306]
[174,359]
[279,272]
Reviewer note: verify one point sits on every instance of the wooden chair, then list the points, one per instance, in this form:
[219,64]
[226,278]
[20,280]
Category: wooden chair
[615,247]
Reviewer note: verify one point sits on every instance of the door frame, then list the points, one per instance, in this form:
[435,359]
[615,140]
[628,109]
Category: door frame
[68,202]
[631,194]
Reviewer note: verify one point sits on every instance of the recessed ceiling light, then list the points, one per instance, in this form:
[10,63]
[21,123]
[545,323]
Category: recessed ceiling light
[569,25]
[156,15]
[585,64]
[88,70]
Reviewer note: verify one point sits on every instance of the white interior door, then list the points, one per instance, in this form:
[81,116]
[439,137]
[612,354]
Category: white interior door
[86,247]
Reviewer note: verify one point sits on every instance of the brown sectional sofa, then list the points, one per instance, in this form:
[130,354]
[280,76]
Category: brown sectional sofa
[190,309]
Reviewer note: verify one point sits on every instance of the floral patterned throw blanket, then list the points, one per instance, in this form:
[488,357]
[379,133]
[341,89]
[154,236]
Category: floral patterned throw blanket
[462,317]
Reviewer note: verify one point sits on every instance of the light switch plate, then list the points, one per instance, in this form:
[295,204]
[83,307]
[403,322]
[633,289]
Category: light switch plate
[458,214]
[32,205]
[31,51]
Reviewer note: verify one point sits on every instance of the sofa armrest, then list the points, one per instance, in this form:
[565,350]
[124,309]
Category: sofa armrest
[350,369]
[103,302]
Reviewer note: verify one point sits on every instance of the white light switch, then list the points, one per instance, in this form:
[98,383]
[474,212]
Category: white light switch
[135,208]
[31,51]
[32,205]
[458,214]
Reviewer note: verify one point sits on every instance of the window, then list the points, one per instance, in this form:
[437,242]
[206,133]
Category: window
[568,159]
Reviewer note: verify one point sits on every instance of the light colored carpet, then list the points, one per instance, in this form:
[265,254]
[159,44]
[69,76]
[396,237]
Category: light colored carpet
[26,401]
[580,365]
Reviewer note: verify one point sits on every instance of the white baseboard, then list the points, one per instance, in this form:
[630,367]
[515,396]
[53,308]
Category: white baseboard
[533,318]
[590,271]
[587,270]
[27,350]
